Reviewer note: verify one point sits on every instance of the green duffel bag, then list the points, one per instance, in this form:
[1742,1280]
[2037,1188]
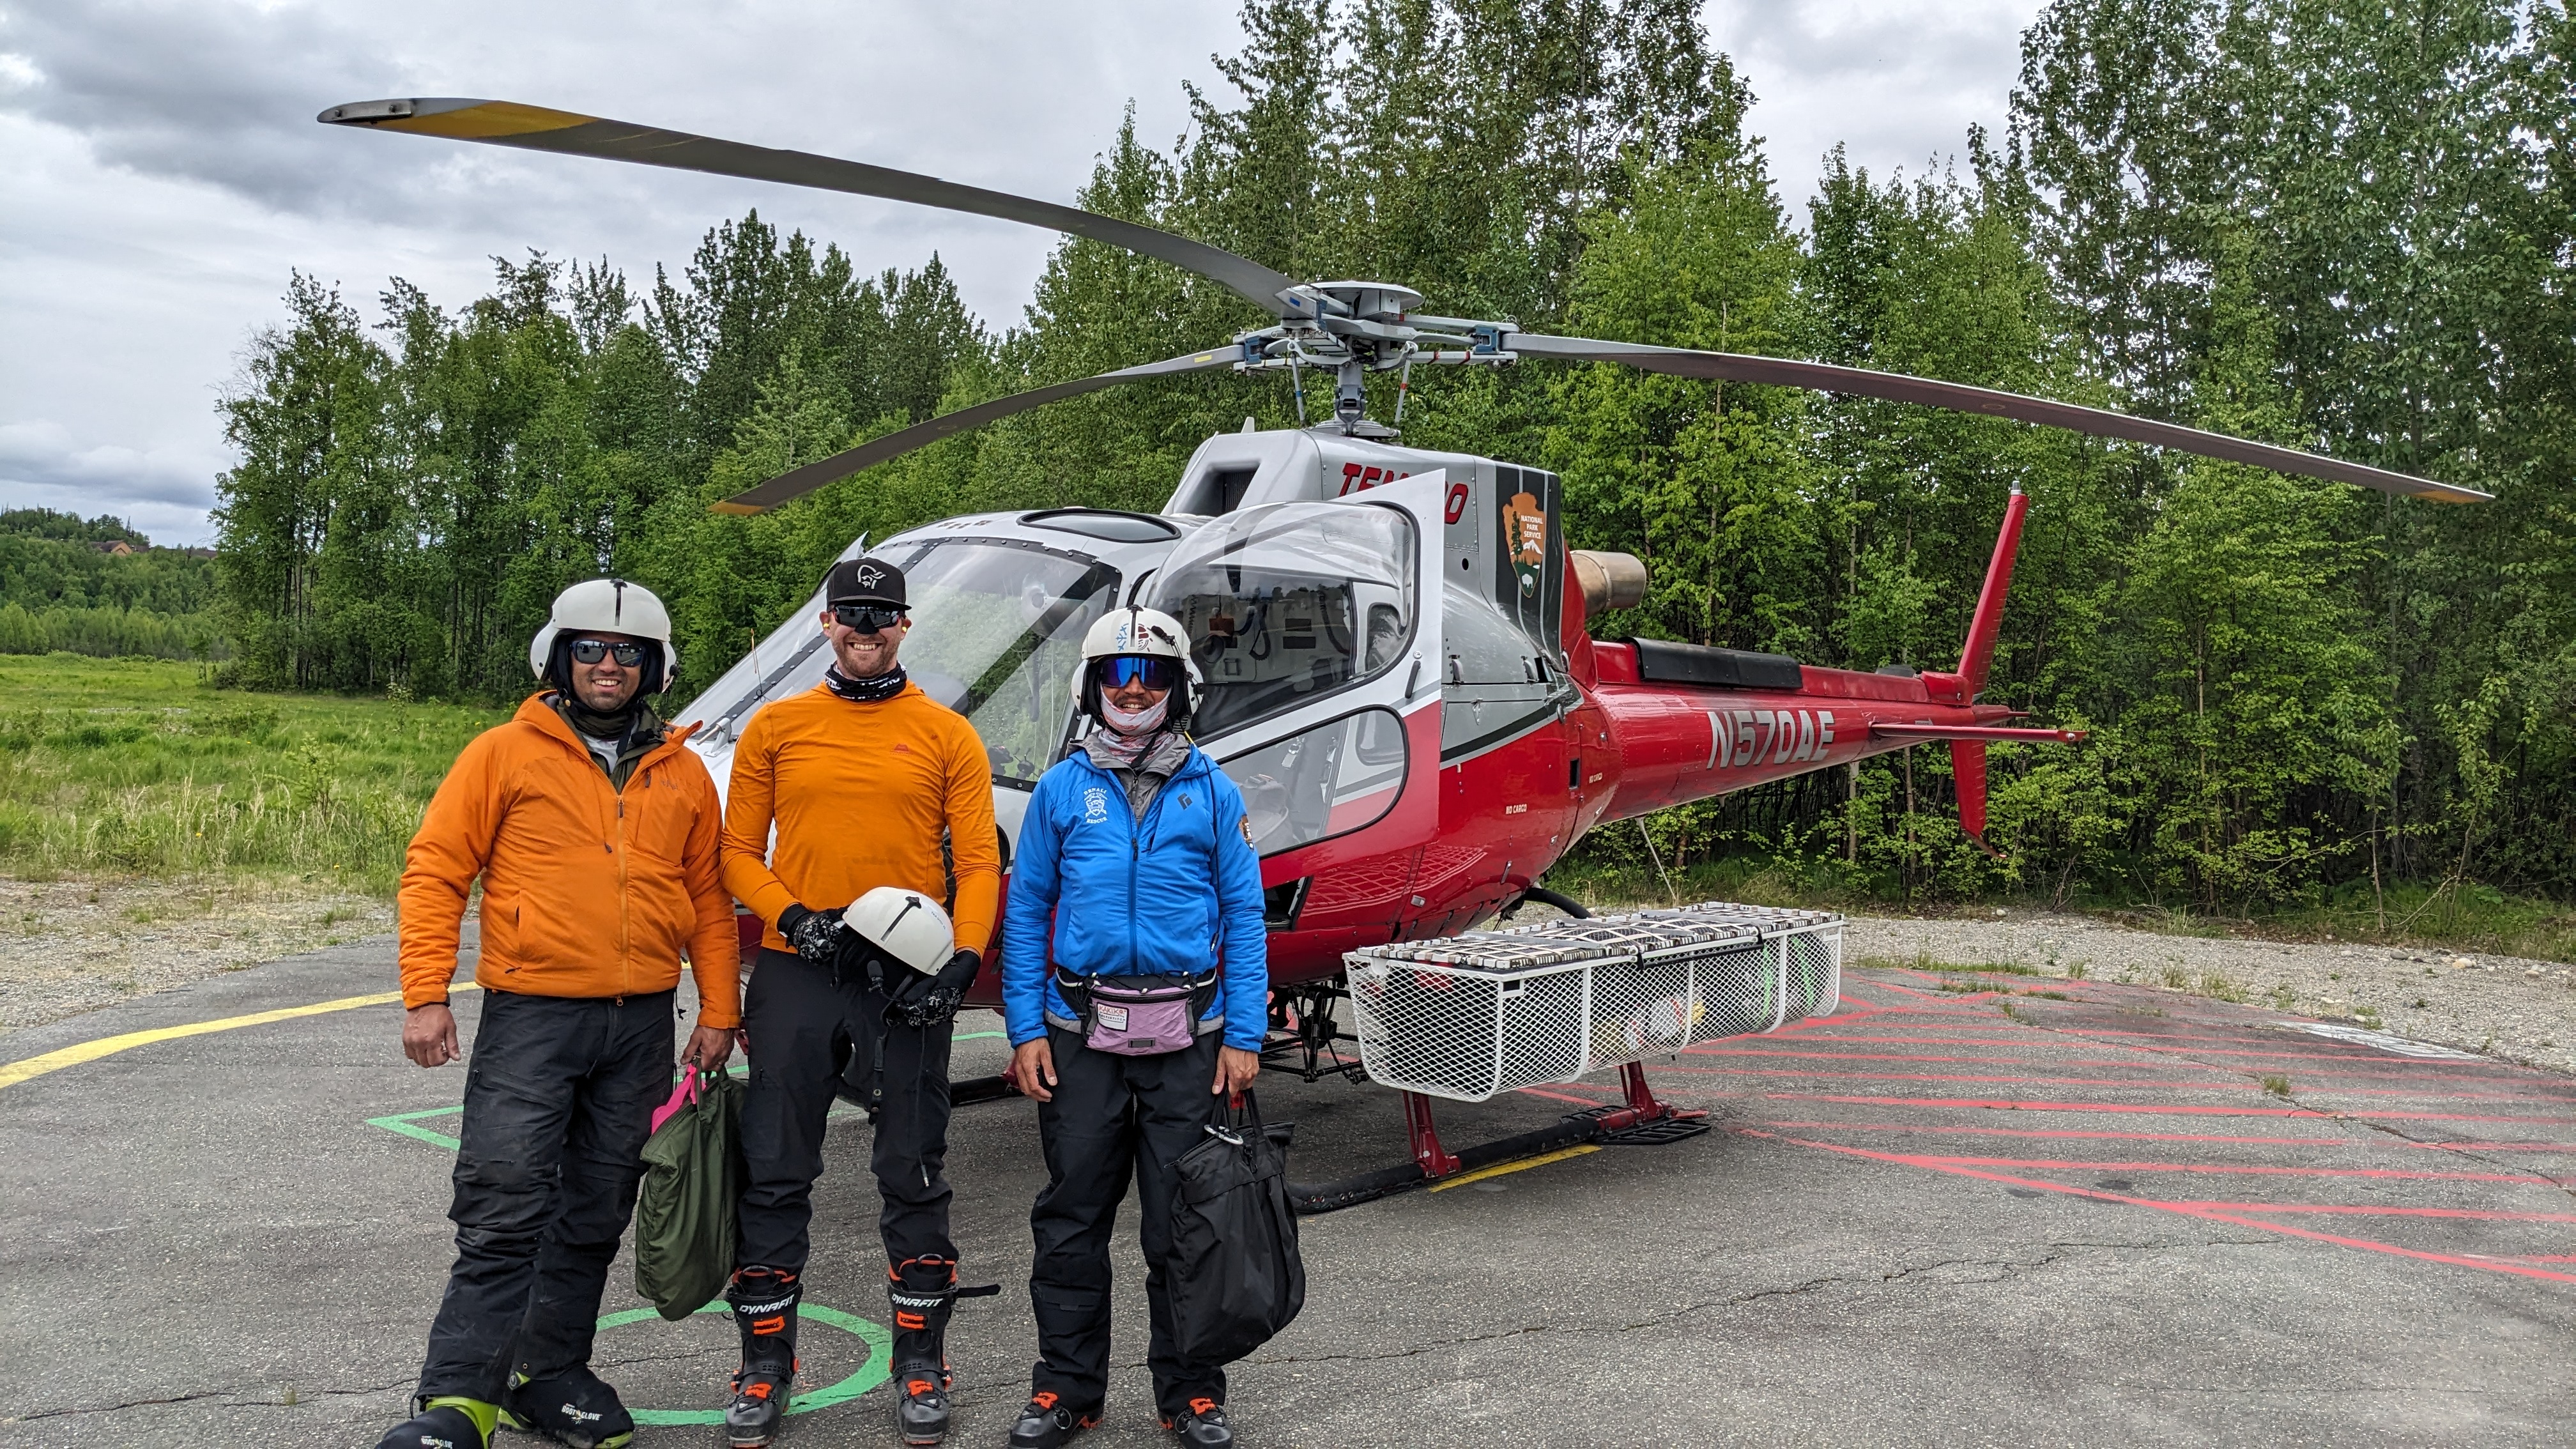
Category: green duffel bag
[684,1215]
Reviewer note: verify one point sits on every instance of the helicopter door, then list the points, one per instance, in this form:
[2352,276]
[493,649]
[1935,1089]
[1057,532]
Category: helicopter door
[1318,657]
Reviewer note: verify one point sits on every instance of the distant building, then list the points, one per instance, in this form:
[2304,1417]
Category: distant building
[115,547]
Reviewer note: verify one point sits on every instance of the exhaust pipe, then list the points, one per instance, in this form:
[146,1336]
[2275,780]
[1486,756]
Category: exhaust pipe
[1609,580]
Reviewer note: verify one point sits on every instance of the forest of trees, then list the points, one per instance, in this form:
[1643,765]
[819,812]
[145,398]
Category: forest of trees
[60,590]
[2316,222]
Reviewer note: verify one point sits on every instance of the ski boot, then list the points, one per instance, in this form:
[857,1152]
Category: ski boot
[764,1311]
[572,1407]
[1047,1424]
[1202,1425]
[445,1422]
[923,1292]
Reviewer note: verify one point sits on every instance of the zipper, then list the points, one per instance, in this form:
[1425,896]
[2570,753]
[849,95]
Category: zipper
[1135,860]
[625,928]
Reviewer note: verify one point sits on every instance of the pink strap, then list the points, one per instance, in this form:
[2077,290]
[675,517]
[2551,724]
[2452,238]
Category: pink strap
[681,1096]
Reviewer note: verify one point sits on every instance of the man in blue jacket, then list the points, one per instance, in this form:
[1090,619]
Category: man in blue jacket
[1136,846]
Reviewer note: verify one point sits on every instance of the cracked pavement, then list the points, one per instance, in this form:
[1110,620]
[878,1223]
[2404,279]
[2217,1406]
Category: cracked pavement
[1926,1221]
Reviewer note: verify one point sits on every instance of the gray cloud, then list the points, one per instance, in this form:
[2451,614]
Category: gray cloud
[165,171]
[45,455]
[200,92]
[1896,82]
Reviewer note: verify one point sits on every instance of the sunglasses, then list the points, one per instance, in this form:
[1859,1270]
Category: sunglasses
[628,653]
[866,618]
[1128,670]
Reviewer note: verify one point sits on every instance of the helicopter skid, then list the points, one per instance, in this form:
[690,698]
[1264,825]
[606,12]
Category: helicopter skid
[1644,1120]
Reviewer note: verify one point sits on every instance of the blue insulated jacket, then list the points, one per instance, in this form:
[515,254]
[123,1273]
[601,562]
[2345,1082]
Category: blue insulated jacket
[1171,894]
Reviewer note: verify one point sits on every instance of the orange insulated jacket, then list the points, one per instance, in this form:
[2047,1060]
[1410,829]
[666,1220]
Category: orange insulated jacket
[588,890]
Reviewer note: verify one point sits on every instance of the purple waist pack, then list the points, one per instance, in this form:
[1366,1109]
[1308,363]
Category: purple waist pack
[1139,1016]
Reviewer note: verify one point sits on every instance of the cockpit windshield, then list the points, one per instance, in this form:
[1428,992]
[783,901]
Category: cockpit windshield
[996,636]
[1289,603]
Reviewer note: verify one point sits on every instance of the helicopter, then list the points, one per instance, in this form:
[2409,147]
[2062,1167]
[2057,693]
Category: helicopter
[1393,641]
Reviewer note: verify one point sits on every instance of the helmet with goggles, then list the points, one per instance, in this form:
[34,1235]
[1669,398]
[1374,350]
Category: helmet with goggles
[609,606]
[1131,646]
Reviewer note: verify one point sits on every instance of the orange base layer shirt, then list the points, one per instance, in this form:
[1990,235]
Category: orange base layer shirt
[861,795]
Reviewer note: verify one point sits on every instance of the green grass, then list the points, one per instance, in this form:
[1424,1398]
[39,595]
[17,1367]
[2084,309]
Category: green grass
[136,768]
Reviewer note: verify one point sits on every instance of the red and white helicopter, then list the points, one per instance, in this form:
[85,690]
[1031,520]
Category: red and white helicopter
[1398,671]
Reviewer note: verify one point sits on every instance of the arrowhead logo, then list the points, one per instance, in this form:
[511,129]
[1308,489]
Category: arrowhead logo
[869,575]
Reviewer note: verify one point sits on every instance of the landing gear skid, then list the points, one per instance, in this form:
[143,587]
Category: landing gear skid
[1643,1120]
[1306,1039]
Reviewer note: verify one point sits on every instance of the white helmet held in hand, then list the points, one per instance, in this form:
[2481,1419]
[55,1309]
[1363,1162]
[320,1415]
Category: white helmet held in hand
[608,606]
[1138,632]
[906,925]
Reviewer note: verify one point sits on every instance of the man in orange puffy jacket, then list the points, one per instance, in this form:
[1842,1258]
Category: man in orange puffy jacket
[594,832]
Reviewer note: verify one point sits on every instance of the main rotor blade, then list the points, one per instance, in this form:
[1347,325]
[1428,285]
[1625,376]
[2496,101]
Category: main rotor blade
[535,128]
[1958,397]
[800,481]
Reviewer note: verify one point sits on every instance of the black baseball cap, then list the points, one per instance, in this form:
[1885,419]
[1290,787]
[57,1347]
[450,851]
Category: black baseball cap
[864,581]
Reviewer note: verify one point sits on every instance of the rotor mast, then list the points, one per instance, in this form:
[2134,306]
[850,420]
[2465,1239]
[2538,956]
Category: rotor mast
[1355,328]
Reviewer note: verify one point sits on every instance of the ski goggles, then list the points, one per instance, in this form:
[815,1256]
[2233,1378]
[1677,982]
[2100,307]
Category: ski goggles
[1126,671]
[866,618]
[626,652]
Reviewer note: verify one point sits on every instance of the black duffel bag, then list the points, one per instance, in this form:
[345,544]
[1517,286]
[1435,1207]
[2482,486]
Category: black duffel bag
[1234,1272]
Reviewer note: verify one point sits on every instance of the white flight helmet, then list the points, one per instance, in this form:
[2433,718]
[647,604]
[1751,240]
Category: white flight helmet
[611,606]
[1135,630]
[906,925]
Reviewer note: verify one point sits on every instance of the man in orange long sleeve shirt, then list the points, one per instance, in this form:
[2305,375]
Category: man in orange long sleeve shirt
[868,782]
[595,834]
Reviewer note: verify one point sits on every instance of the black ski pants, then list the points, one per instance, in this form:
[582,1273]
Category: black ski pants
[1114,1117]
[806,1031]
[559,1097]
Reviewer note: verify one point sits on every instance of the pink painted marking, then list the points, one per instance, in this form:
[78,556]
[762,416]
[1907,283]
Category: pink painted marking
[2206,1214]
[2226,1086]
[2368,1210]
[2242,1169]
[2356,1069]
[1947,1130]
[1560,1096]
[2151,1109]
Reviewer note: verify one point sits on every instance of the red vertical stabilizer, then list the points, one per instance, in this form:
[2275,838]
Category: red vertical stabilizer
[1979,654]
[1968,773]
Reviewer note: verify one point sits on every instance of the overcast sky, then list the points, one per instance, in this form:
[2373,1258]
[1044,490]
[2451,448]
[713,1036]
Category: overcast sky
[161,173]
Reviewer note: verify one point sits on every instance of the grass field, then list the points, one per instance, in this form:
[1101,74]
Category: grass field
[133,767]
[130,767]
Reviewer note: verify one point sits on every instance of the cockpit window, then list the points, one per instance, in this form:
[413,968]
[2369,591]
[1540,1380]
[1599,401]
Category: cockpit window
[1289,603]
[996,635]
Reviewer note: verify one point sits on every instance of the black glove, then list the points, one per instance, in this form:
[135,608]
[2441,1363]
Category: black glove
[936,999]
[813,935]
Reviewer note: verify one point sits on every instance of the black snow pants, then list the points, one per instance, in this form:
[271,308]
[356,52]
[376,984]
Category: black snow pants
[1113,1117]
[559,1097]
[806,1031]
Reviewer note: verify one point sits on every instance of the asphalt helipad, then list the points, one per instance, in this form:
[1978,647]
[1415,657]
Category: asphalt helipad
[2124,1215]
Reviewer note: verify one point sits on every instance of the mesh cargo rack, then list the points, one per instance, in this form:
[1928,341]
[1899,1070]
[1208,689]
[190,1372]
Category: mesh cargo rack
[1493,1011]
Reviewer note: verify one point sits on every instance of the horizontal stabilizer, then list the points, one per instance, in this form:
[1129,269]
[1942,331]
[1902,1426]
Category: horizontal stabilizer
[1973,732]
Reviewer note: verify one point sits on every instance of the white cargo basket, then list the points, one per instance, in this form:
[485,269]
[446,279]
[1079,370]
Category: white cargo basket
[1493,1011]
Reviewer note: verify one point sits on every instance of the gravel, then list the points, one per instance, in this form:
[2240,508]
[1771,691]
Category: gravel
[2505,1006]
[80,945]
[77,945]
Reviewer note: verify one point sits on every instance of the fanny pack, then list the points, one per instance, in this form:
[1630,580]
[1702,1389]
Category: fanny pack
[1140,1016]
